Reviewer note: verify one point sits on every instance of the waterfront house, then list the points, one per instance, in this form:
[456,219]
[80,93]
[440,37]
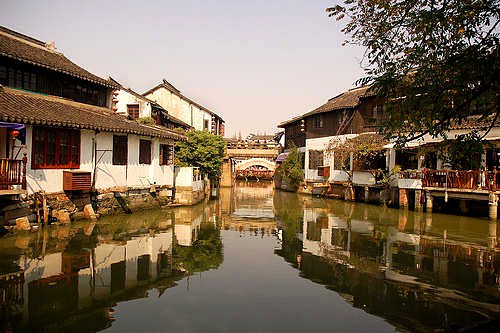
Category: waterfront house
[58,131]
[185,109]
[342,117]
[133,105]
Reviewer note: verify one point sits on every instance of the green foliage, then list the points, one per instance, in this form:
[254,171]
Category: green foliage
[204,150]
[291,168]
[388,176]
[146,121]
[463,153]
[205,253]
[437,62]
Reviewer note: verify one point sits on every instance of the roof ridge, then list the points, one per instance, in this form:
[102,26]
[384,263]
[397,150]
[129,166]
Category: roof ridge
[21,36]
[27,40]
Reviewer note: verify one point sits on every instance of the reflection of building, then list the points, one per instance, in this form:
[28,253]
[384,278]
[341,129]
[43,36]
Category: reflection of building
[249,208]
[68,277]
[65,282]
[400,266]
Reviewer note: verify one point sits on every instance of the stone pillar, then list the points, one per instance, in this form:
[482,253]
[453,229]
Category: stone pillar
[367,193]
[403,197]
[428,201]
[227,174]
[493,206]
[492,234]
[418,200]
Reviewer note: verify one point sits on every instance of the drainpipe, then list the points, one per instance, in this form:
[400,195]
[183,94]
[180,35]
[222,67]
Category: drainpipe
[173,184]
[94,160]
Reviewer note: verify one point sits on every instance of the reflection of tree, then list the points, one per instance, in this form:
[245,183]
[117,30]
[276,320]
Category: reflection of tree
[290,212]
[205,253]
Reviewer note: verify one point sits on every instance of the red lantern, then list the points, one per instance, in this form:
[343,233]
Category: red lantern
[14,133]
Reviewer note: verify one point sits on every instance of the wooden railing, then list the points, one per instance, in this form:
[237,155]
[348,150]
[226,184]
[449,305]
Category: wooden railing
[472,180]
[259,174]
[12,172]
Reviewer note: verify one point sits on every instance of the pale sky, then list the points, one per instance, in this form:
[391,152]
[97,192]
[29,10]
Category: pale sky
[255,63]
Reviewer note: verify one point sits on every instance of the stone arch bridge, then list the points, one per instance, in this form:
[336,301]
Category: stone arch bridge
[249,163]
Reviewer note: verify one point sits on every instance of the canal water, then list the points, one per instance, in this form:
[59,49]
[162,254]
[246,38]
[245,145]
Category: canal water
[254,260]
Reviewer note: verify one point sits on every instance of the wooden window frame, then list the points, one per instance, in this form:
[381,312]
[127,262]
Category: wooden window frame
[166,154]
[318,121]
[144,151]
[133,111]
[120,150]
[75,141]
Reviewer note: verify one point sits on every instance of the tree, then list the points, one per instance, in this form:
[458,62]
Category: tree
[436,61]
[204,150]
[291,168]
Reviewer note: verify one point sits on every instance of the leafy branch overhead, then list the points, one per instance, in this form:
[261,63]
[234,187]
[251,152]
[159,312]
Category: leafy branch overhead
[204,150]
[437,62]
[367,151]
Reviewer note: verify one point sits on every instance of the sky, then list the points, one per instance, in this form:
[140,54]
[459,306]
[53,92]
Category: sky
[255,63]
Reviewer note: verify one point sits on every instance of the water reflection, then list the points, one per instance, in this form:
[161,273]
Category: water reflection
[418,271]
[68,278]
[248,208]
[382,269]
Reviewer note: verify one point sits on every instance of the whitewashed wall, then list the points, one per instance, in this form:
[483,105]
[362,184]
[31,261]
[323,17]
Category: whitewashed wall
[175,105]
[328,159]
[107,174]
[124,98]
[181,108]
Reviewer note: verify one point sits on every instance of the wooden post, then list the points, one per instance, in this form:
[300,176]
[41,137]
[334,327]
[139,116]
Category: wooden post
[45,209]
[23,182]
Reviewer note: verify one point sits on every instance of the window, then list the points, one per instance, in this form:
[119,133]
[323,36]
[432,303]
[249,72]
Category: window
[133,110]
[55,148]
[315,159]
[318,121]
[145,152]
[120,149]
[166,154]
[205,124]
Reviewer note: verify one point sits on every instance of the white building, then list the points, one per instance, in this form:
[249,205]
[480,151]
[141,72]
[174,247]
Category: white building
[185,109]
[79,137]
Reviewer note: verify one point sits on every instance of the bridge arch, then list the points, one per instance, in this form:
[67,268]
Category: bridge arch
[256,162]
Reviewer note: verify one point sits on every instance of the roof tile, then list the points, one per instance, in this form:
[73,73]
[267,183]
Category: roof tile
[37,109]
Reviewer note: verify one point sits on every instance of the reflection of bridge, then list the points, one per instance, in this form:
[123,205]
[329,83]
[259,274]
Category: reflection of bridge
[256,162]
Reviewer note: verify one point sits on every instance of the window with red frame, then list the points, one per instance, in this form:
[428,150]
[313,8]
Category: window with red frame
[55,148]
[133,110]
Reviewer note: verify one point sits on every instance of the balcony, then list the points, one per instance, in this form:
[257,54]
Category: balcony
[450,179]
[12,174]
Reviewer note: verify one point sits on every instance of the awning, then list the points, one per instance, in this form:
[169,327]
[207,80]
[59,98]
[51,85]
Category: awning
[281,157]
[15,126]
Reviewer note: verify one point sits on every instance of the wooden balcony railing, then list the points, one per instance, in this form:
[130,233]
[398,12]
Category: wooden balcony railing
[259,174]
[12,172]
[471,180]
